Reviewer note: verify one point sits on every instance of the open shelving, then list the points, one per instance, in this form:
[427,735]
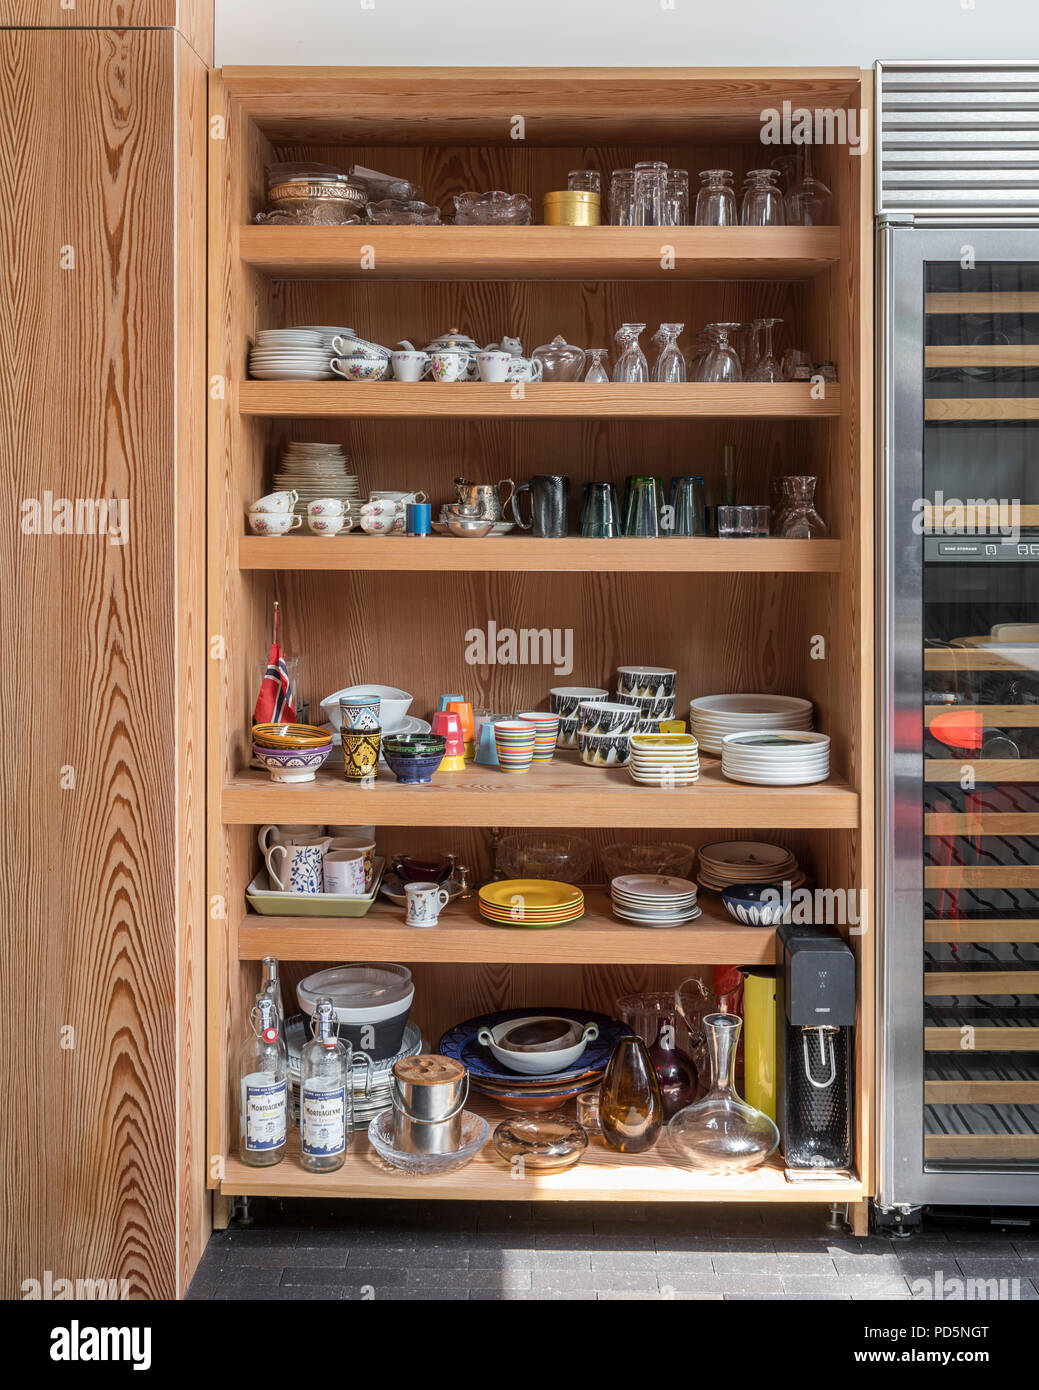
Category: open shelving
[770,615]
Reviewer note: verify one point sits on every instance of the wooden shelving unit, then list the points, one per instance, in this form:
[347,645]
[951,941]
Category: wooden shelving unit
[772,615]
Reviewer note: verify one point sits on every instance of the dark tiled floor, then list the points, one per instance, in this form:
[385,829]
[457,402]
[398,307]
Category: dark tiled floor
[461,1250]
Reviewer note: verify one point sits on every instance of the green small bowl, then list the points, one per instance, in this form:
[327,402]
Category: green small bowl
[415,745]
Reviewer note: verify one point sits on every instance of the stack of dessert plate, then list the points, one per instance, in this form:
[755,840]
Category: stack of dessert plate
[318,470]
[297,1032]
[654,900]
[530,902]
[747,861]
[783,758]
[290,354]
[711,717]
[664,760]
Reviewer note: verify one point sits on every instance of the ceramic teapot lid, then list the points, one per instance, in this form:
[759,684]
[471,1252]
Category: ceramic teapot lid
[453,340]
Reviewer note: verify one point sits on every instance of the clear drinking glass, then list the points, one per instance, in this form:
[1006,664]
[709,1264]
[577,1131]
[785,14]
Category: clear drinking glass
[716,201]
[583,181]
[631,364]
[687,514]
[800,521]
[650,193]
[767,367]
[643,508]
[741,522]
[622,198]
[670,364]
[721,361]
[677,208]
[596,371]
[762,199]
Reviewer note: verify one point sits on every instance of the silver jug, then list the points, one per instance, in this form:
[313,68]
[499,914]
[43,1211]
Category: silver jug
[486,497]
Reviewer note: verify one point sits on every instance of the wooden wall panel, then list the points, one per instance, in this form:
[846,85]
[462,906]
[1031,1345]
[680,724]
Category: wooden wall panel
[100,858]
[194,18]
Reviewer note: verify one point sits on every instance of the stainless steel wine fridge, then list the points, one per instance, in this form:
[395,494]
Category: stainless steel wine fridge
[958,632]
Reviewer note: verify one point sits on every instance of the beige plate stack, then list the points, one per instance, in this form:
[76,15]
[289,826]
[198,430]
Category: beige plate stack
[746,861]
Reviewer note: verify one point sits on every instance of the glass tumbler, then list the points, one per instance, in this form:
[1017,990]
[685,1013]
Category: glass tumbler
[621,206]
[600,515]
[742,522]
[642,517]
[762,199]
[686,511]
[716,201]
[651,193]
[583,181]
[677,210]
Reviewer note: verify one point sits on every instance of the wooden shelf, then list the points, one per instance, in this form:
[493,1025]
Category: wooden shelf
[974,823]
[987,716]
[523,554]
[984,769]
[983,355]
[947,409]
[566,792]
[981,658]
[1025,876]
[962,930]
[952,520]
[974,302]
[539,253]
[603,1175]
[598,938]
[424,400]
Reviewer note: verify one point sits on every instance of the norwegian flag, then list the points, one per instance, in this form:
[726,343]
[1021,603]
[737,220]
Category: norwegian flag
[275,703]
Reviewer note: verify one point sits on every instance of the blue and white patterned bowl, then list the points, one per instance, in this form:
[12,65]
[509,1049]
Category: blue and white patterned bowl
[756,904]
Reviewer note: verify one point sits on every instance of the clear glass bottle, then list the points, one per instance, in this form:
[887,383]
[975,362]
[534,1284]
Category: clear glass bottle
[800,521]
[263,1074]
[722,1133]
[325,1095]
[272,985]
[670,364]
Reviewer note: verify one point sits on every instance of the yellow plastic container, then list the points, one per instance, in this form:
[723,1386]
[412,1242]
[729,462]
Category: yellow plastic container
[759,1040]
[571,208]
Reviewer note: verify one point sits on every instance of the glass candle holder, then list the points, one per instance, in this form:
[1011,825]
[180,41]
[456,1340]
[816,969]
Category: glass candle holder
[588,1111]
[743,521]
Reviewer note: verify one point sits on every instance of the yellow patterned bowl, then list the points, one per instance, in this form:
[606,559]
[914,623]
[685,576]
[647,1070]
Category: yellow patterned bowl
[291,736]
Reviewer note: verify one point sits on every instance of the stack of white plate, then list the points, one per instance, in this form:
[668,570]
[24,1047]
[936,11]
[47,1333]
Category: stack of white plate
[654,900]
[711,717]
[747,861]
[318,470]
[776,758]
[664,760]
[290,354]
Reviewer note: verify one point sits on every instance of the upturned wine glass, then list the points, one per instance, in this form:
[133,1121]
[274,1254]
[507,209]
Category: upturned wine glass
[721,361]
[716,201]
[767,367]
[631,364]
[596,371]
[762,200]
[670,364]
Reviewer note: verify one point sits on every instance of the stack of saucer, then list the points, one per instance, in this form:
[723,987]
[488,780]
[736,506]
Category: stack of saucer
[664,760]
[747,861]
[654,900]
[290,354]
[713,716]
[776,759]
[319,470]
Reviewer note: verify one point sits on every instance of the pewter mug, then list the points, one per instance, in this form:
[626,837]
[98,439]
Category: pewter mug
[486,497]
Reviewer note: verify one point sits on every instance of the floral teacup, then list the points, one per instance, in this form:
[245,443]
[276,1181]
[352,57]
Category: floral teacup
[274,523]
[450,366]
[276,502]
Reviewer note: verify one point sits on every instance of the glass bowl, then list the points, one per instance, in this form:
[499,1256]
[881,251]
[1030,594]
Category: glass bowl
[475,1131]
[543,1143]
[541,854]
[658,857]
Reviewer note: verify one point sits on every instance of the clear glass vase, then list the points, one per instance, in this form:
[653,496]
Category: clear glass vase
[722,1133]
[631,1108]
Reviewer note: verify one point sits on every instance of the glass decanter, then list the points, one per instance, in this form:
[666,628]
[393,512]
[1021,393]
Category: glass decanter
[799,520]
[631,1108]
[631,364]
[722,1133]
[596,371]
[670,364]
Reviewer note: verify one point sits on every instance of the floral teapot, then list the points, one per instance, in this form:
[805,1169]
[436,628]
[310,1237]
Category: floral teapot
[520,368]
[457,343]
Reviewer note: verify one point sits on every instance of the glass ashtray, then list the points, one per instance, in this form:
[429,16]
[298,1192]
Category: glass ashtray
[544,1143]
[475,1130]
[394,212]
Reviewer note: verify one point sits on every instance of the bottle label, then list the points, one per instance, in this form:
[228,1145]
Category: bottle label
[264,1117]
[323,1122]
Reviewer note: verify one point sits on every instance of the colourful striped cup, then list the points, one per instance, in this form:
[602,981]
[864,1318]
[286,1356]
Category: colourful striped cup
[514,742]
[546,731]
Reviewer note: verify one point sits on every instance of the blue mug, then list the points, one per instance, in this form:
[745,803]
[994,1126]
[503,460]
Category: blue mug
[446,700]
[417,519]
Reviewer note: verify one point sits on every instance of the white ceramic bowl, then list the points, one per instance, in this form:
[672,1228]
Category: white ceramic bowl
[534,1063]
[392,711]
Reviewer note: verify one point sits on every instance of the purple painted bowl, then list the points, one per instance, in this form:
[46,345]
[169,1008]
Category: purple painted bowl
[291,764]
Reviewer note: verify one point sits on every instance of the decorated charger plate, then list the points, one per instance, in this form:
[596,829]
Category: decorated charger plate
[460,1044]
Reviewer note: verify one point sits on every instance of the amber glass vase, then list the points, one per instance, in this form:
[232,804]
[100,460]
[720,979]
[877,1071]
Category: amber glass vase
[631,1110]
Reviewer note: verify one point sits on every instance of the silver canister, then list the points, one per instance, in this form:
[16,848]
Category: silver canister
[429,1094]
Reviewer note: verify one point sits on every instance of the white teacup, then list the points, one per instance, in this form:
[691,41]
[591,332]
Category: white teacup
[410,366]
[525,369]
[276,502]
[393,495]
[378,523]
[274,523]
[344,872]
[425,901]
[327,506]
[449,366]
[326,525]
[494,366]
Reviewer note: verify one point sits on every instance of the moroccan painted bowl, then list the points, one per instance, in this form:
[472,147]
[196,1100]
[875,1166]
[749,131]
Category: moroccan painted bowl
[291,764]
[411,769]
[290,736]
[414,745]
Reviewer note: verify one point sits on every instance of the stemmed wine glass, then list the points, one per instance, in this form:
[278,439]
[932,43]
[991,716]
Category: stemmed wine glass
[670,365]
[721,361]
[631,365]
[596,371]
[767,367]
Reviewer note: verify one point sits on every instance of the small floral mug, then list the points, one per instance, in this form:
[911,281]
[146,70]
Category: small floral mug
[425,901]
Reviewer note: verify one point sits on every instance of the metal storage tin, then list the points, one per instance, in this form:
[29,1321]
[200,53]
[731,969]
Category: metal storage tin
[428,1093]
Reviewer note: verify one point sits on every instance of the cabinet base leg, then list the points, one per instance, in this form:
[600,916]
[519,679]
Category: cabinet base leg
[858,1218]
[221,1211]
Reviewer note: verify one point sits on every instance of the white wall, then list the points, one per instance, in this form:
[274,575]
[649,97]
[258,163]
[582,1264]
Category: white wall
[683,33]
